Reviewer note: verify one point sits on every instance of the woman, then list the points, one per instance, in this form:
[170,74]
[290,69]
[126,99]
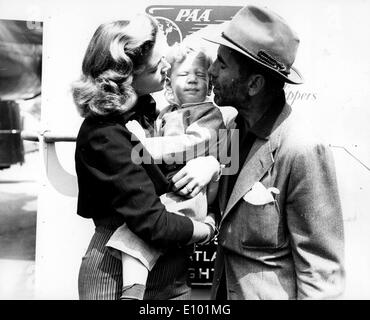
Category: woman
[122,65]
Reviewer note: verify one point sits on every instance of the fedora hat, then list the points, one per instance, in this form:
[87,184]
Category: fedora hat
[264,37]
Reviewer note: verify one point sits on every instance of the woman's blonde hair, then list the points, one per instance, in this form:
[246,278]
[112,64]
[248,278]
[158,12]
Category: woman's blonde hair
[115,53]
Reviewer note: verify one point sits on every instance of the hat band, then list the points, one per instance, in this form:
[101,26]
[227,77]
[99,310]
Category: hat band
[262,56]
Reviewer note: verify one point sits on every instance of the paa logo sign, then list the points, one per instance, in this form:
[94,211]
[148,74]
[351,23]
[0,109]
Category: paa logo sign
[177,22]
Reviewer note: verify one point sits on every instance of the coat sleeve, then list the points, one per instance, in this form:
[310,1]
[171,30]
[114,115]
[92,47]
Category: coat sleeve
[201,137]
[315,223]
[131,192]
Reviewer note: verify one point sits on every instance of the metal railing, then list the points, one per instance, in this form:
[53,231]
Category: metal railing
[48,136]
[62,181]
[9,131]
[351,155]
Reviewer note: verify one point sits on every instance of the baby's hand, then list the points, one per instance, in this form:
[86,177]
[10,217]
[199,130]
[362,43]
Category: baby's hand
[136,129]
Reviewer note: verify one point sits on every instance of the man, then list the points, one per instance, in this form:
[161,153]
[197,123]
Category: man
[281,227]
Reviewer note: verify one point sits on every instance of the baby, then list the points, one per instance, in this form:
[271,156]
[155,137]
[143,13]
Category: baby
[187,128]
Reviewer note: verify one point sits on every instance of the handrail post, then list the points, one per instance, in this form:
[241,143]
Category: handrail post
[64,182]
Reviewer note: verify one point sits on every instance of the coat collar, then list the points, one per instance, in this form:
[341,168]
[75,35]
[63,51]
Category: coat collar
[258,162]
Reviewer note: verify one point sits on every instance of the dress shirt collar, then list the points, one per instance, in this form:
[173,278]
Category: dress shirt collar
[176,106]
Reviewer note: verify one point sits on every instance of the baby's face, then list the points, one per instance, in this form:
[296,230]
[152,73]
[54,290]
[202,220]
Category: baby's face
[189,80]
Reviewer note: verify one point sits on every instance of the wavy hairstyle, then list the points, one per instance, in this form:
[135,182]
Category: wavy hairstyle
[115,53]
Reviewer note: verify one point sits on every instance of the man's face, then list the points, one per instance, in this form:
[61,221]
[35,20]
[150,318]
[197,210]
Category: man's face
[229,87]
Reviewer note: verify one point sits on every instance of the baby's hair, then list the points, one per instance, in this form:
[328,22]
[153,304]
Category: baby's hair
[179,52]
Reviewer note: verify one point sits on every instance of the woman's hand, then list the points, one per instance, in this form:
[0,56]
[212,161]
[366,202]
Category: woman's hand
[204,232]
[196,174]
[135,128]
[210,219]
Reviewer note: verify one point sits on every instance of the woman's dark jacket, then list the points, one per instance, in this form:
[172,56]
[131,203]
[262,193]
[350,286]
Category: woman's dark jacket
[111,185]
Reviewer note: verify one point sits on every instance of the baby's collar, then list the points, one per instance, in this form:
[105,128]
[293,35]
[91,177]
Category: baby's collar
[184,105]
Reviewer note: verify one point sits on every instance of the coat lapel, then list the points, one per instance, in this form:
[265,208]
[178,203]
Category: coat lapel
[258,162]
[224,182]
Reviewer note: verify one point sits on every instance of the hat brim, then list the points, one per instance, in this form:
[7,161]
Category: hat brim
[294,77]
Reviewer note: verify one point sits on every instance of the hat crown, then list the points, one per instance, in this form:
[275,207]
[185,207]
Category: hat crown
[261,32]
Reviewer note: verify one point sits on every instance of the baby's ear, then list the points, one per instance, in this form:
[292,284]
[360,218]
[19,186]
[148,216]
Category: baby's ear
[167,85]
[168,92]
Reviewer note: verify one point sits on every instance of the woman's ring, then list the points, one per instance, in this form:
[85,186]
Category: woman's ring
[189,190]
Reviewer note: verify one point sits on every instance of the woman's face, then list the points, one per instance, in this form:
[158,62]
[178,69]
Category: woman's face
[152,78]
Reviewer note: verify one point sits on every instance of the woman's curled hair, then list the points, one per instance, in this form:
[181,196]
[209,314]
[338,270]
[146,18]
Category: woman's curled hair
[115,53]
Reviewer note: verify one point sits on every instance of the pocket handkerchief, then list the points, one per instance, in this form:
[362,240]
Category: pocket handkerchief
[260,195]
